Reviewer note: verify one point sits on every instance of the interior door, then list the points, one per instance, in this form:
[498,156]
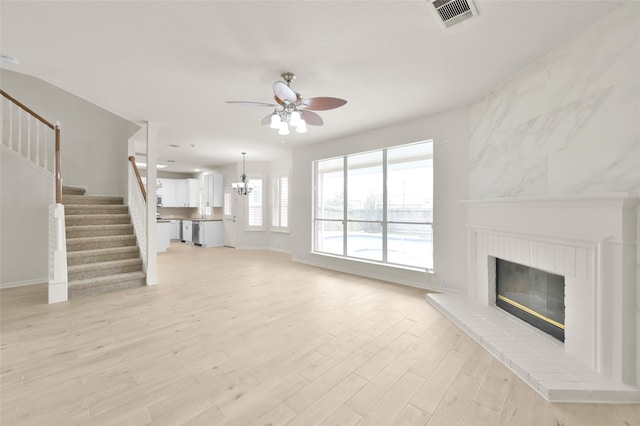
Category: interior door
[229,222]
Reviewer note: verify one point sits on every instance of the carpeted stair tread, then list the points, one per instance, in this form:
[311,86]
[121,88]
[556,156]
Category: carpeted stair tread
[102,255]
[100,269]
[98,219]
[91,199]
[108,284]
[73,190]
[98,230]
[91,209]
[94,243]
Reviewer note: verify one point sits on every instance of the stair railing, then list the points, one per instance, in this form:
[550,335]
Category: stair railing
[137,200]
[27,138]
[28,135]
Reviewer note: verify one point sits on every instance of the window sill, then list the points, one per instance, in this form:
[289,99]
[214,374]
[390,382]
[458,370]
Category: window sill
[373,262]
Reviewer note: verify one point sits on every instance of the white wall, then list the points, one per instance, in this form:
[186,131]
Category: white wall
[569,123]
[94,141]
[450,132]
[27,193]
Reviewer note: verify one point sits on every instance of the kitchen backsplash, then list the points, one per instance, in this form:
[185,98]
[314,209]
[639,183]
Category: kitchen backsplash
[189,213]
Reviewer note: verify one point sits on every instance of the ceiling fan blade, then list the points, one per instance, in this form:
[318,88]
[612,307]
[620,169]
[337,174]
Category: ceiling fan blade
[266,120]
[311,118]
[264,104]
[323,103]
[284,92]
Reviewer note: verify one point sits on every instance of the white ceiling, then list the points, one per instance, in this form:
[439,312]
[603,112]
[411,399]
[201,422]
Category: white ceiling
[175,63]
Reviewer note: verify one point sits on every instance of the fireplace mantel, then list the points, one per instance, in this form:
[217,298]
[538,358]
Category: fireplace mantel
[590,239]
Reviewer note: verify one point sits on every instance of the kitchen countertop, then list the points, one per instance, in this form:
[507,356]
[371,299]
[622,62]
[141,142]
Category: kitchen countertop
[188,218]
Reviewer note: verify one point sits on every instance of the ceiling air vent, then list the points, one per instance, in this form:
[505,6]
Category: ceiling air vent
[451,12]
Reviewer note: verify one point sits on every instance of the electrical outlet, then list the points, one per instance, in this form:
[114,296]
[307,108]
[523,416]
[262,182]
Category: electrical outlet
[444,282]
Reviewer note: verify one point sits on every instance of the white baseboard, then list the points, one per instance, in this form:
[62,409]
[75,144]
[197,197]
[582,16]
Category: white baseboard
[23,283]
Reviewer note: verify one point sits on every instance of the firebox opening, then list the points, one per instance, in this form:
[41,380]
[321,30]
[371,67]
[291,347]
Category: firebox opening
[533,295]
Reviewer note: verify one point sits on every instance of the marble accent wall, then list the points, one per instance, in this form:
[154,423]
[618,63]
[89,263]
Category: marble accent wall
[567,124]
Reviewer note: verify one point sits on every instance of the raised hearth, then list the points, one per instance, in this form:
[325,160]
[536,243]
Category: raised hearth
[590,240]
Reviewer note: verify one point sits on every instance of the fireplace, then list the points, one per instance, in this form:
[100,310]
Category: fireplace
[533,295]
[590,240]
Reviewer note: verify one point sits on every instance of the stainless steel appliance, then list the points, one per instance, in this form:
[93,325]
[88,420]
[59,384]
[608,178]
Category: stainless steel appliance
[195,227]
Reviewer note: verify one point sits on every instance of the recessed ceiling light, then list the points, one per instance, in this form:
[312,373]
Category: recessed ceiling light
[197,170]
[171,161]
[144,165]
[173,145]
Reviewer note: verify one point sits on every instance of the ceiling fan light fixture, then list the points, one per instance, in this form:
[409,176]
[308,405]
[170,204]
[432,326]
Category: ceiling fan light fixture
[301,127]
[295,118]
[284,128]
[291,108]
[275,120]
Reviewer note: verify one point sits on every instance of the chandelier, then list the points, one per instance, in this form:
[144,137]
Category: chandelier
[242,188]
[285,116]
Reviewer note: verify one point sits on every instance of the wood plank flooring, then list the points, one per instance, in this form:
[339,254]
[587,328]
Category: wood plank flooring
[247,337]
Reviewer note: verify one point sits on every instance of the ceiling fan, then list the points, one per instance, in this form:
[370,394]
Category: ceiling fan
[291,109]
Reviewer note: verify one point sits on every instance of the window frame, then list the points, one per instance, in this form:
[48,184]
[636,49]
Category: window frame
[384,223]
[247,200]
[276,201]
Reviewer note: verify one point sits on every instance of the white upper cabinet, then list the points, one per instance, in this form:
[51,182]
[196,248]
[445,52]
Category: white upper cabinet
[180,192]
[212,196]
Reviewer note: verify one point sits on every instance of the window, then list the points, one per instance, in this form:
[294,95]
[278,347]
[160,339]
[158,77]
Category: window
[280,202]
[228,205]
[377,206]
[254,205]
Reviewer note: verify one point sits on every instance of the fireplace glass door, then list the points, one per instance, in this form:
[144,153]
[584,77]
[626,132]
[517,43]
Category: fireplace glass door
[532,295]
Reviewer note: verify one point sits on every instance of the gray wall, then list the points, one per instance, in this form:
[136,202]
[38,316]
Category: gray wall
[27,193]
[93,141]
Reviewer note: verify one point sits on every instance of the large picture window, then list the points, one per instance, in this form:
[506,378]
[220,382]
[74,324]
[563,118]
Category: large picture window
[377,206]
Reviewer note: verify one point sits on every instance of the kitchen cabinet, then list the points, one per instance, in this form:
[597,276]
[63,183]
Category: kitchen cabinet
[187,231]
[212,195]
[209,233]
[180,192]
[162,235]
[175,229]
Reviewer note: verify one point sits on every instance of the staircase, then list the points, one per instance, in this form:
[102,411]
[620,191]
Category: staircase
[102,254]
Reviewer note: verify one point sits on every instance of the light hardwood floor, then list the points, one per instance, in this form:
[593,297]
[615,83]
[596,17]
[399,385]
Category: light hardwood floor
[249,337]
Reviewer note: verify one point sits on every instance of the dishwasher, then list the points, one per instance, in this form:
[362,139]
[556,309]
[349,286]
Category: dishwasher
[195,238]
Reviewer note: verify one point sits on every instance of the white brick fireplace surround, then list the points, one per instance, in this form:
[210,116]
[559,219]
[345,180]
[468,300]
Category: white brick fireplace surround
[589,239]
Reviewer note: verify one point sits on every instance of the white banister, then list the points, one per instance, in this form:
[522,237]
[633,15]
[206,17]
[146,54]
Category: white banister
[58,279]
[138,211]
